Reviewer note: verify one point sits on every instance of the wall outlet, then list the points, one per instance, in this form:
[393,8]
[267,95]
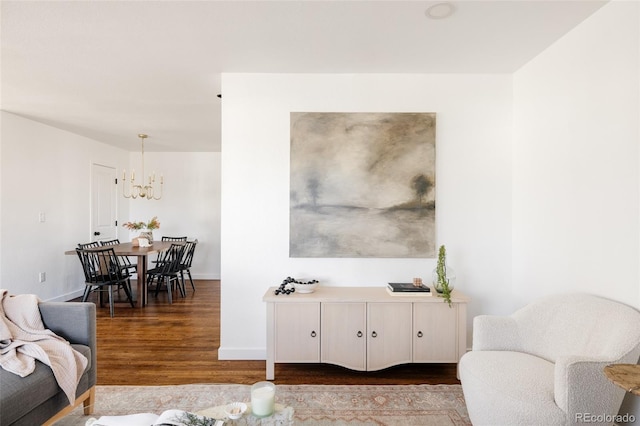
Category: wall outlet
[42,217]
[42,277]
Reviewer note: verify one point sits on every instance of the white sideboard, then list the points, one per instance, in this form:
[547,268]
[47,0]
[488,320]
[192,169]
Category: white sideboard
[364,328]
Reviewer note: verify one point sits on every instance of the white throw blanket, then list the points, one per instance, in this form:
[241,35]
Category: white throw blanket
[23,340]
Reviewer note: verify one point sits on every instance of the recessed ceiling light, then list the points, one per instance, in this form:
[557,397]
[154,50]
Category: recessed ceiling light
[440,10]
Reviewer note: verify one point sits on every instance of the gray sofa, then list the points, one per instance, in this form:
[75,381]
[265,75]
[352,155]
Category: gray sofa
[37,399]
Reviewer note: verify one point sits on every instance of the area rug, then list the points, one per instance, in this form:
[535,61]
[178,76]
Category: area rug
[359,405]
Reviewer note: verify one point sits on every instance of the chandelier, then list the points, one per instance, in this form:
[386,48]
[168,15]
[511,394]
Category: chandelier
[141,190]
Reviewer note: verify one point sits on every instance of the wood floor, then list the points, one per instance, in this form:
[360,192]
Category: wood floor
[166,344]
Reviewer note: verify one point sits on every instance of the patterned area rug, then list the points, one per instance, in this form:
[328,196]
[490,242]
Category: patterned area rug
[358,405]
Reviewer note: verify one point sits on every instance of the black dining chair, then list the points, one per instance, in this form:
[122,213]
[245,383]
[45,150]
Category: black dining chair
[179,239]
[170,239]
[125,263]
[187,260]
[93,244]
[102,272]
[167,272]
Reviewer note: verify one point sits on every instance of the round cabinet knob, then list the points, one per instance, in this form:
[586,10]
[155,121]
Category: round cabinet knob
[374,334]
[359,334]
[420,334]
[313,334]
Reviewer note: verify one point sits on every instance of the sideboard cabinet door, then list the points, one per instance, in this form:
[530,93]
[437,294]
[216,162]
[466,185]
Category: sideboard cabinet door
[297,332]
[389,334]
[435,332]
[344,337]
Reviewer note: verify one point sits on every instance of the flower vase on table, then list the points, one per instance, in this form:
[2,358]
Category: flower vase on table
[449,278]
[145,229]
[148,234]
[443,276]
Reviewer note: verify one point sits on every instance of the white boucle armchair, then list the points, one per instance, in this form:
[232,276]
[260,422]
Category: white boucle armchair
[543,365]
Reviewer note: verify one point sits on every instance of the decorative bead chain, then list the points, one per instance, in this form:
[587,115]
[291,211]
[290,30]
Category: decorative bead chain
[287,285]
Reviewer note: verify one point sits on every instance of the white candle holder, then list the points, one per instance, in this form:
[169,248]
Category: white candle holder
[263,399]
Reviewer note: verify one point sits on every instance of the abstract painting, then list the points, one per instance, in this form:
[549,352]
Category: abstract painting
[362,185]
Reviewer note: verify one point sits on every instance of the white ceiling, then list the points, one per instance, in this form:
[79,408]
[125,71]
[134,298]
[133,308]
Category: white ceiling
[109,70]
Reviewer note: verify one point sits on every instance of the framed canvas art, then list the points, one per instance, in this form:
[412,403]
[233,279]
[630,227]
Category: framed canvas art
[362,185]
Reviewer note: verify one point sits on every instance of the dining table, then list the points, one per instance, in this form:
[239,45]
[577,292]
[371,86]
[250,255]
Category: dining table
[142,253]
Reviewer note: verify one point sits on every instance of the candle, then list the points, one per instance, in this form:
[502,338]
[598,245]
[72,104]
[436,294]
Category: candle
[263,399]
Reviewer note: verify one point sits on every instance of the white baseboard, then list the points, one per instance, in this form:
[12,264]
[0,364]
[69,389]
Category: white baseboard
[205,276]
[244,354]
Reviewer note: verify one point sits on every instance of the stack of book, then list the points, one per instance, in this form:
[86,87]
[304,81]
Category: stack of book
[408,289]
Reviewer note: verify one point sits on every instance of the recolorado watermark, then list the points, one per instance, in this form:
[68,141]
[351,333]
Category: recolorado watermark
[604,418]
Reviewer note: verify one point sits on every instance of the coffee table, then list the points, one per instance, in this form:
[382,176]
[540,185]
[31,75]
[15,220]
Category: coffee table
[283,415]
[627,376]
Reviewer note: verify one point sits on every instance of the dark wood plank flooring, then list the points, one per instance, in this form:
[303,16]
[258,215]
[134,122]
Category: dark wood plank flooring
[166,344]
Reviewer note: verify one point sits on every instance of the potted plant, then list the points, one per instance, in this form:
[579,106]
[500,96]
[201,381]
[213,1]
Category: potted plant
[443,276]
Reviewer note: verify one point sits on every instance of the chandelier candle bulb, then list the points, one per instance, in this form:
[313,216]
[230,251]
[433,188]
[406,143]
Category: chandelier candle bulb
[263,399]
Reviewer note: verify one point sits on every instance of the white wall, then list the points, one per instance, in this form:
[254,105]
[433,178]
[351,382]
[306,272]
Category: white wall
[473,167]
[575,179]
[190,205]
[48,170]
[576,164]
